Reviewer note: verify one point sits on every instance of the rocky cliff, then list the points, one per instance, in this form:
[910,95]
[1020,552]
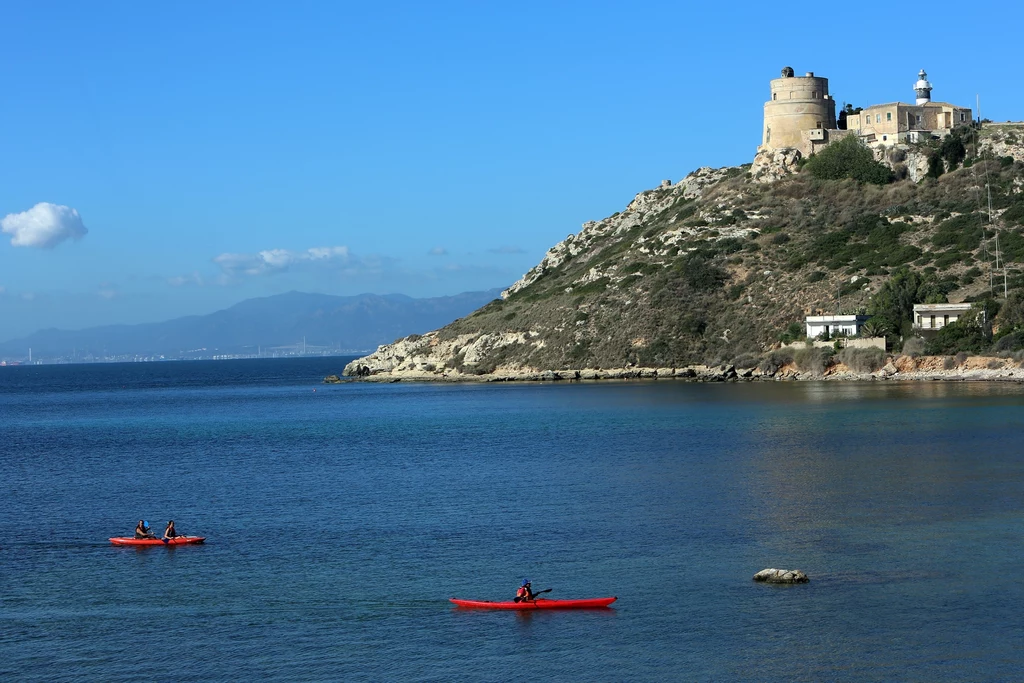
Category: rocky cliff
[708,273]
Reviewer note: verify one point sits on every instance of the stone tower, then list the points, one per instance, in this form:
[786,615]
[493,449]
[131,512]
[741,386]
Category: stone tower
[800,110]
[923,89]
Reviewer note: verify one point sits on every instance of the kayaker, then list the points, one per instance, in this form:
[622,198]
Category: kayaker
[142,530]
[525,592]
[170,531]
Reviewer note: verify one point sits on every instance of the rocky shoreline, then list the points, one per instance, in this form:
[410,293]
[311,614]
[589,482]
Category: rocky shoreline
[899,368]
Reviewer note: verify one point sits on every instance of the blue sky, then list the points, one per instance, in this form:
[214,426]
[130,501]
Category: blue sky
[215,152]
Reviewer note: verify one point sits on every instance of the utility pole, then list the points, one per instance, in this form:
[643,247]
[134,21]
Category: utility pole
[991,284]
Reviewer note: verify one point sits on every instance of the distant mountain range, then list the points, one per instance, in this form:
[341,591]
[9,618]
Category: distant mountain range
[274,325]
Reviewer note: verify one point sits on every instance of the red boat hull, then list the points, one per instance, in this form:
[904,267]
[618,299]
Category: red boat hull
[178,540]
[539,603]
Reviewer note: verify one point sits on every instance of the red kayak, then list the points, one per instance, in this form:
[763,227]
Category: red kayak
[539,603]
[177,540]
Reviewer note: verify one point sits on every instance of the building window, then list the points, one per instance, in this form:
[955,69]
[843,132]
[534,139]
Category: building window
[919,320]
[819,124]
[884,138]
[814,95]
[932,325]
[775,95]
[878,118]
[963,116]
[945,320]
[888,116]
[919,119]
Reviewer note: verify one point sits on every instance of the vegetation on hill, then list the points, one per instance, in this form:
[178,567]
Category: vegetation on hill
[718,267]
[848,159]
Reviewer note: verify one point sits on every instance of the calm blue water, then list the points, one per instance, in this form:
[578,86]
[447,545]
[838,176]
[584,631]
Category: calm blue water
[340,520]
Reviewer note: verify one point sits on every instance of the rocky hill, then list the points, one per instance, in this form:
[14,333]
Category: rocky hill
[719,267]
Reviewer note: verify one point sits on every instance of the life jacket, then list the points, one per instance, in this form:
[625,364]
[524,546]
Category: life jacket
[523,593]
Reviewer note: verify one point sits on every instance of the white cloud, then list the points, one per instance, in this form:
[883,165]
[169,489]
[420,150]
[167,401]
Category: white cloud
[438,251]
[45,226]
[278,260]
[194,278]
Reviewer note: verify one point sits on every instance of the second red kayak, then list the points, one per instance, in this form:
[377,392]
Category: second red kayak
[177,540]
[539,603]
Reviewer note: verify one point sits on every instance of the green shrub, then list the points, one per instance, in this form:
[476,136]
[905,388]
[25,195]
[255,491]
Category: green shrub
[775,361]
[952,149]
[1014,214]
[813,360]
[964,335]
[862,360]
[1010,342]
[848,158]
[700,274]
[598,285]
[964,232]
[914,347]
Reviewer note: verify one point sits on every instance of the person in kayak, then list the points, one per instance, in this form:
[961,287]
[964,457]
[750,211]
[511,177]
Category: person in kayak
[525,592]
[170,531]
[142,530]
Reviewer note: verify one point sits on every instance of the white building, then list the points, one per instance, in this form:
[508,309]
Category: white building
[835,325]
[930,317]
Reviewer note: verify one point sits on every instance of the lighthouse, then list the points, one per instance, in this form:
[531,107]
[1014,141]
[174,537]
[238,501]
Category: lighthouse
[923,88]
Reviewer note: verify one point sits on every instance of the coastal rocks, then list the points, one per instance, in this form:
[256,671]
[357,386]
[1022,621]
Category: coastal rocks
[333,379]
[781,576]
[693,185]
[774,164]
[888,370]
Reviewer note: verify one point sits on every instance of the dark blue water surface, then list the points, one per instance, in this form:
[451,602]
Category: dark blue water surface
[340,519]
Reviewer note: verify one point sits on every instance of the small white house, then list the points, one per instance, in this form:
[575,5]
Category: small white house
[936,316]
[835,325]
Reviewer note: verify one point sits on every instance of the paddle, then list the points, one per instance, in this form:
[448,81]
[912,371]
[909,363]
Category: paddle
[519,599]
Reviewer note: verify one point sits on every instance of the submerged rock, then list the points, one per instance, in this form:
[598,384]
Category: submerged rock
[781,576]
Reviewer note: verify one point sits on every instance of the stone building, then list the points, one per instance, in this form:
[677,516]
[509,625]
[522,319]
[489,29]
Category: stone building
[801,115]
[898,122]
[799,112]
[834,325]
[933,317]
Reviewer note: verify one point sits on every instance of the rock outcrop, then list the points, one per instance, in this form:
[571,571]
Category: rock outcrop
[781,576]
[774,164]
[644,205]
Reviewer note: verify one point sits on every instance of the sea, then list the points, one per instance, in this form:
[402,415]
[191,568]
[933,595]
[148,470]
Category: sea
[340,518]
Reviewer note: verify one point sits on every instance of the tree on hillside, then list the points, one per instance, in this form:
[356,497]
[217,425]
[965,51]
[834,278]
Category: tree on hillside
[1011,315]
[893,305]
[848,158]
[969,333]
